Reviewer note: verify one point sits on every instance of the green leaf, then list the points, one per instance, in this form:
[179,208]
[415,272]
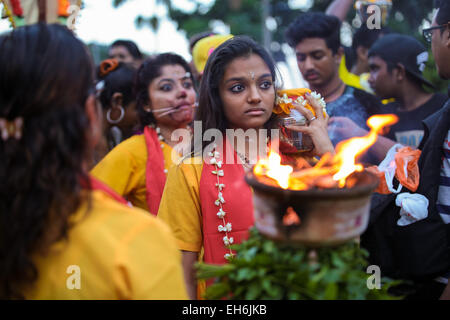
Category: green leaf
[253,291]
[217,291]
[206,271]
[331,291]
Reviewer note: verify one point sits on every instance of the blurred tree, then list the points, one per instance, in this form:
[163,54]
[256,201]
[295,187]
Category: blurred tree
[242,17]
[245,17]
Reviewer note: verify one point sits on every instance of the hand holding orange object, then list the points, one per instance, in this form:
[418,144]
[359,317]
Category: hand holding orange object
[317,126]
[286,100]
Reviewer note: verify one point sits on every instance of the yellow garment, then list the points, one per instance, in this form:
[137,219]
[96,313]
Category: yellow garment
[180,208]
[123,169]
[121,252]
[353,80]
[204,47]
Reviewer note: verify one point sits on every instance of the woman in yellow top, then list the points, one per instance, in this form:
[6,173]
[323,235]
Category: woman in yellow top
[136,168]
[206,201]
[64,235]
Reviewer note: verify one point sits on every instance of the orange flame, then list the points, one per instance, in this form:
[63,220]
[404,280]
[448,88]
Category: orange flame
[273,168]
[330,171]
[348,150]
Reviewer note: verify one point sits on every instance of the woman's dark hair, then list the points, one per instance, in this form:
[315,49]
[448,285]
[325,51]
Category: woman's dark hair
[46,77]
[119,80]
[211,110]
[147,72]
[132,48]
[443,15]
[315,25]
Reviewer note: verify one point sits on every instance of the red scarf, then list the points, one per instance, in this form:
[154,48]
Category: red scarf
[94,184]
[238,207]
[155,178]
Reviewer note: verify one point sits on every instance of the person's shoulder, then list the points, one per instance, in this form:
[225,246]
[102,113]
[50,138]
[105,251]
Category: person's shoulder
[371,102]
[132,142]
[189,167]
[439,99]
[433,123]
[362,93]
[134,146]
[433,118]
[116,220]
[103,205]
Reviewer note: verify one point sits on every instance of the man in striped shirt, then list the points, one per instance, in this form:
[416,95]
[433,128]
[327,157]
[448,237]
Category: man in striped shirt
[420,251]
[436,146]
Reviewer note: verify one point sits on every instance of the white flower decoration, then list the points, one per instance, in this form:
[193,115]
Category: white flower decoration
[221,199]
[319,98]
[228,256]
[300,100]
[221,213]
[220,186]
[219,172]
[227,241]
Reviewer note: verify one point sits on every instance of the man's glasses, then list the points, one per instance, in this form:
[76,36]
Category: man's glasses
[428,33]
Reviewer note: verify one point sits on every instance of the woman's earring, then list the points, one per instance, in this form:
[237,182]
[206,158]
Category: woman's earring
[111,121]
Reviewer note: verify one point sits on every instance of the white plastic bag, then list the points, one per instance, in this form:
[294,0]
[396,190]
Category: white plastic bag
[388,166]
[414,207]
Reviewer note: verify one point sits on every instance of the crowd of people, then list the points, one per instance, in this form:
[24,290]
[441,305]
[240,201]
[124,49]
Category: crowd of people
[103,170]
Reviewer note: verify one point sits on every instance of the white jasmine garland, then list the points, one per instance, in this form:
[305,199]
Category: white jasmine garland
[301,100]
[228,256]
[319,98]
[227,241]
[220,186]
[221,213]
[225,226]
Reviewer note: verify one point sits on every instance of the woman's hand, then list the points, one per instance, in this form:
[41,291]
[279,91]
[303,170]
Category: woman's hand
[316,128]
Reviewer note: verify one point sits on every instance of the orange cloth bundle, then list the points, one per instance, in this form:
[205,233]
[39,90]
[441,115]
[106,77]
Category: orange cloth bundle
[63,7]
[406,167]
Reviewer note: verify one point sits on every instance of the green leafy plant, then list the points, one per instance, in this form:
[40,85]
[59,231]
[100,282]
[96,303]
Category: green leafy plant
[264,269]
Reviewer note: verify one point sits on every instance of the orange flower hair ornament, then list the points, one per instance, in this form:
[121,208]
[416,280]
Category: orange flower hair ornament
[108,66]
[11,129]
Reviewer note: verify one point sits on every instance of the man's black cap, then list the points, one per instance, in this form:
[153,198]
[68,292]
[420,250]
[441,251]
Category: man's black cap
[397,48]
